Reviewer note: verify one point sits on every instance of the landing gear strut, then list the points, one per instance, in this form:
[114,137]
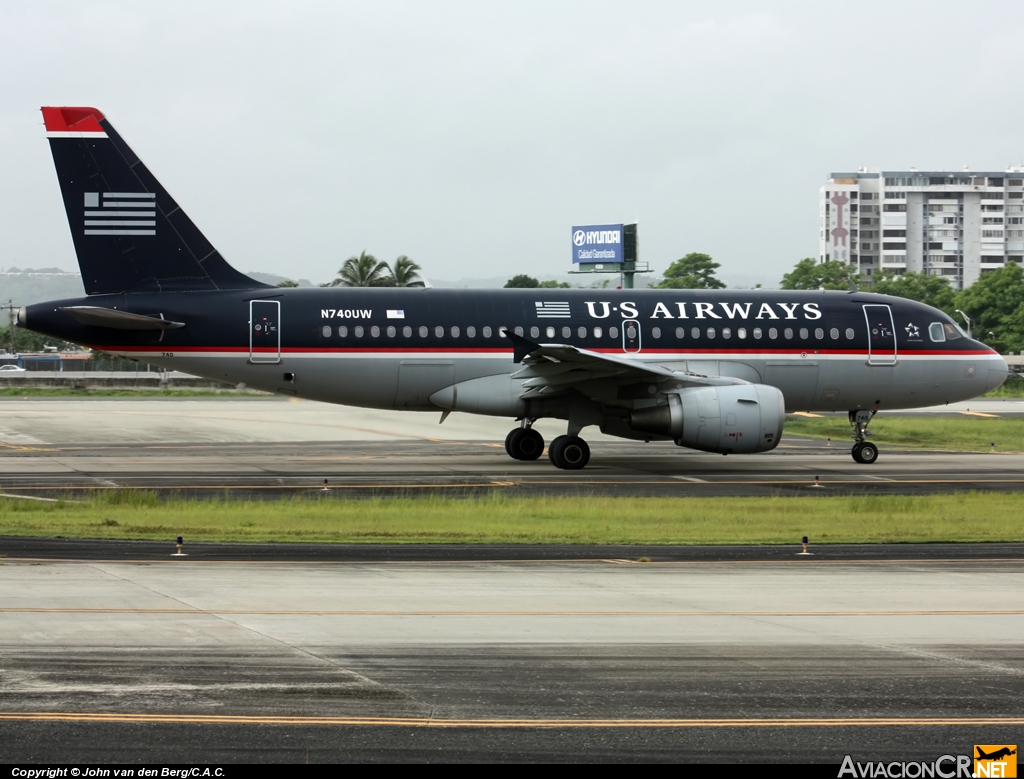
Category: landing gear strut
[863,452]
[524,443]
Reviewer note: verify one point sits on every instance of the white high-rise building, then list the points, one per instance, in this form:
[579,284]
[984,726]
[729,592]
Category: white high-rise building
[956,225]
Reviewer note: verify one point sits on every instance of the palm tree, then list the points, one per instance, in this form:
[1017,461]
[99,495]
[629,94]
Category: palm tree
[406,273]
[362,271]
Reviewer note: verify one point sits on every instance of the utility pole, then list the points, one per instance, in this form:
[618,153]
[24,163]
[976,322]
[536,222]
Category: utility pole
[11,308]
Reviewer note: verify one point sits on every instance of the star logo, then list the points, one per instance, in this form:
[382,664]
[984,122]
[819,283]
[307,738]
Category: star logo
[913,331]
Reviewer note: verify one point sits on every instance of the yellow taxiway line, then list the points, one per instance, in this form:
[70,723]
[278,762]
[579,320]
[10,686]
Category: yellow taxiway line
[431,722]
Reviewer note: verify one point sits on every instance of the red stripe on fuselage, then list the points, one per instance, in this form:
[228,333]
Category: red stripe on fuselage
[497,350]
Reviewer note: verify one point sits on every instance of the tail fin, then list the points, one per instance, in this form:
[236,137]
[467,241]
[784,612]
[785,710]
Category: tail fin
[129,234]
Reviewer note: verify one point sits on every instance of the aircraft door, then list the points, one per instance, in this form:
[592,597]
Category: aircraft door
[264,331]
[881,335]
[631,336]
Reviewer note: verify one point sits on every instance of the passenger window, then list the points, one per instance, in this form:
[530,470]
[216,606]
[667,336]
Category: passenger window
[423,331]
[343,332]
[680,333]
[726,332]
[757,333]
[407,331]
[803,333]
[375,331]
[819,333]
[471,332]
[597,332]
[326,331]
[502,331]
[952,332]
[567,333]
[711,332]
[358,331]
[656,332]
[613,332]
[455,331]
[439,332]
[487,332]
[742,332]
[534,332]
[582,332]
[551,332]
[936,331]
[849,334]
[834,332]
[773,333]
[788,332]
[391,331]
[695,332]
[519,331]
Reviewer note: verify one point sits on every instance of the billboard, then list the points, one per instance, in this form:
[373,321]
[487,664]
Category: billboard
[597,243]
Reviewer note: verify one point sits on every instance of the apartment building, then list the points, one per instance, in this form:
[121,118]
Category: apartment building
[956,225]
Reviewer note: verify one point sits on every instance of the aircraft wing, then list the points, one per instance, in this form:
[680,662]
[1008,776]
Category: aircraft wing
[554,368]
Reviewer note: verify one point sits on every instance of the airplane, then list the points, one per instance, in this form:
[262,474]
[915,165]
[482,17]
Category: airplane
[1003,752]
[712,370]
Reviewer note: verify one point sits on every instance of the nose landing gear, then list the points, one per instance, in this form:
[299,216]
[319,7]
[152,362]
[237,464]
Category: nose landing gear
[863,452]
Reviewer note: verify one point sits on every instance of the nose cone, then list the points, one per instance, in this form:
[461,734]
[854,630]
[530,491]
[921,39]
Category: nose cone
[997,373]
[22,317]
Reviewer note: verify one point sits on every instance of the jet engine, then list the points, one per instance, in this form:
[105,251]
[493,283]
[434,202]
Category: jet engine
[735,419]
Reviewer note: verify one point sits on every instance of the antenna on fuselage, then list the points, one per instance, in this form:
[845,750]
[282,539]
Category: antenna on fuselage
[853,285]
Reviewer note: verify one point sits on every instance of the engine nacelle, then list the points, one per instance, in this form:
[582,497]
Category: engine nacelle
[740,419]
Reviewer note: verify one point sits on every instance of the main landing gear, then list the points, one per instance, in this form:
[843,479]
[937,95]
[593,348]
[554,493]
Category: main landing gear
[863,452]
[569,452]
[524,443]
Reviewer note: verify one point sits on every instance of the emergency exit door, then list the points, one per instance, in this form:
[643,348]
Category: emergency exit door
[264,331]
[630,336]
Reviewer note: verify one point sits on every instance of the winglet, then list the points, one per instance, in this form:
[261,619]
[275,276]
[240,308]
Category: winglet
[522,347]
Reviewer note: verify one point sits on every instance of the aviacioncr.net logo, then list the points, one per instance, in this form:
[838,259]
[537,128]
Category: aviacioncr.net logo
[579,238]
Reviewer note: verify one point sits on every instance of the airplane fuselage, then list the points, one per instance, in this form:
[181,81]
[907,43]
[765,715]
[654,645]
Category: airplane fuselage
[396,348]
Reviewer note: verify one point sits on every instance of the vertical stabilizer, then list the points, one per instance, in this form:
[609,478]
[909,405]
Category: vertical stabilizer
[129,234]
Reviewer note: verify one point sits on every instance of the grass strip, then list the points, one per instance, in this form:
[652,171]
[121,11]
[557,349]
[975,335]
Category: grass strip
[962,434]
[503,518]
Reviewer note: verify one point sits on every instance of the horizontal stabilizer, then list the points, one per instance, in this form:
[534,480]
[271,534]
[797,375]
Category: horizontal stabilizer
[97,316]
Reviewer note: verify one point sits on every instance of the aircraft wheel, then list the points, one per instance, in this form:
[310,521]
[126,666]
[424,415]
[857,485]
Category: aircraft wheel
[524,444]
[509,448]
[868,453]
[569,452]
[528,445]
[855,452]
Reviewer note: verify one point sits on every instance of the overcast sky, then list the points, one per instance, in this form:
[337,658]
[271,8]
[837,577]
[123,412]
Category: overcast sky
[471,136]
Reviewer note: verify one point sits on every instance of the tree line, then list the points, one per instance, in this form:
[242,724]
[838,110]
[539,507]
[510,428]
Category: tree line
[367,271]
[994,303]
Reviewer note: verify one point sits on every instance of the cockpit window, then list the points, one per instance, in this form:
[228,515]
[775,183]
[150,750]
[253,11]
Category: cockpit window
[944,331]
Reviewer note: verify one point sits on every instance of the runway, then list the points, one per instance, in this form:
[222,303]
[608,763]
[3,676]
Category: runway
[597,660]
[114,651]
[258,447]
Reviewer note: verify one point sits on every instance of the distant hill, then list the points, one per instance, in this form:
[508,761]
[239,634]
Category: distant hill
[25,286]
